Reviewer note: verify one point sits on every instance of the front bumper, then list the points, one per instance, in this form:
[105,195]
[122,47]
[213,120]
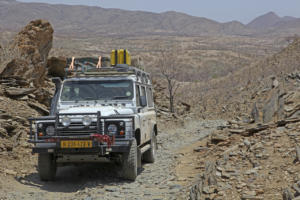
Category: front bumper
[98,148]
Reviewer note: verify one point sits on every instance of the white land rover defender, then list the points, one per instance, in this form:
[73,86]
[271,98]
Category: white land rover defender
[96,114]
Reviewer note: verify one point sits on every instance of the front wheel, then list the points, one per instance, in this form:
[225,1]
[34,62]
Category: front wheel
[150,155]
[46,166]
[129,163]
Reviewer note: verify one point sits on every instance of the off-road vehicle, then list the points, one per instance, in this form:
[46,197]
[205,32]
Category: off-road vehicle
[97,114]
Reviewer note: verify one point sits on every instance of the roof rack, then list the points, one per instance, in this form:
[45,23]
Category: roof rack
[86,67]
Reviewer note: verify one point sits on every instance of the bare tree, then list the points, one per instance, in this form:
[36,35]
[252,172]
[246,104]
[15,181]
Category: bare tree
[168,65]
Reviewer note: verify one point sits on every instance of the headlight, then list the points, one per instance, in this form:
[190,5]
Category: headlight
[66,121]
[86,120]
[112,129]
[50,130]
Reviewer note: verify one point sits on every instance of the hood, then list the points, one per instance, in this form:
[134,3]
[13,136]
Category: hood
[105,110]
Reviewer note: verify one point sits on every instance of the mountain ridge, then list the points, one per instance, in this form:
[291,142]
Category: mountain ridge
[81,20]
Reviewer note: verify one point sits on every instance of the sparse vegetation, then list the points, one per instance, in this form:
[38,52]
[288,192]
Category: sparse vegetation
[169,65]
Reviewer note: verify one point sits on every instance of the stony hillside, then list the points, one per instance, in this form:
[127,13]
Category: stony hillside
[256,155]
[247,161]
[235,94]
[91,21]
[25,90]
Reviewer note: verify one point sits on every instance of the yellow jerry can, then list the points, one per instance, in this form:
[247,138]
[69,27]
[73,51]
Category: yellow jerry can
[120,56]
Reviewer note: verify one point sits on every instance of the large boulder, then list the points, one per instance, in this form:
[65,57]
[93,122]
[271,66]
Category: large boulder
[56,66]
[269,107]
[30,47]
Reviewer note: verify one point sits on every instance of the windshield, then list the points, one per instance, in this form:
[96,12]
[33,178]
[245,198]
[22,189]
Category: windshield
[97,90]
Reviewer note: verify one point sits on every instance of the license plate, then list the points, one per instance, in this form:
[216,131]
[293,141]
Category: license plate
[76,144]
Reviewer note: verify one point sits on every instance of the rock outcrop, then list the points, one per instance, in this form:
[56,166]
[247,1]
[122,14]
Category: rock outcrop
[277,103]
[56,66]
[24,89]
[29,52]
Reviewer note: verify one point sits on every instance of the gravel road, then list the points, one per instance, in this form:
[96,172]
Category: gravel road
[90,182]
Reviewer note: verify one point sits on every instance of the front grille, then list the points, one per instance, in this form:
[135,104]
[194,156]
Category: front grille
[77,128]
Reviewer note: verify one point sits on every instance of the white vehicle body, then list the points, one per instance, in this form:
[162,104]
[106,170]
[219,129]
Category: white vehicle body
[84,128]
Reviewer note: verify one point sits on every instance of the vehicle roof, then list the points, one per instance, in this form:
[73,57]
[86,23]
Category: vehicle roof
[92,78]
[105,73]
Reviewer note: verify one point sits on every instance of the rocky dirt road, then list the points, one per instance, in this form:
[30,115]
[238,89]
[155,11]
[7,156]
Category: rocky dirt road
[155,181]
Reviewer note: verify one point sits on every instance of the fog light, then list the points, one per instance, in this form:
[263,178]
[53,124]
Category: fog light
[66,121]
[86,120]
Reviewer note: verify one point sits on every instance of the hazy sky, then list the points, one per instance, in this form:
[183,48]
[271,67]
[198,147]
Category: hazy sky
[220,10]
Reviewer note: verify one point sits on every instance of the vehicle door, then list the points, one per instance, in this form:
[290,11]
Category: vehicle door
[149,111]
[142,113]
[151,114]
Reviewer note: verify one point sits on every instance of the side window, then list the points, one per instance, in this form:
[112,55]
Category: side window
[150,97]
[143,92]
[138,103]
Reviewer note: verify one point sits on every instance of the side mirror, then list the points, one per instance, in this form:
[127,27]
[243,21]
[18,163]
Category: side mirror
[50,101]
[143,101]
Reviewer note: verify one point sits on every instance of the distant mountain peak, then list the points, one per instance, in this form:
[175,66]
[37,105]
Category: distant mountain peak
[270,14]
[264,21]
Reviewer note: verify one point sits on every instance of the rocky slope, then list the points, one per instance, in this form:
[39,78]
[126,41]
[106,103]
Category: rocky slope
[249,162]
[235,95]
[24,89]
[250,159]
[256,155]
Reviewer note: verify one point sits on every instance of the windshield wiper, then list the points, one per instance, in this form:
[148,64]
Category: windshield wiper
[120,97]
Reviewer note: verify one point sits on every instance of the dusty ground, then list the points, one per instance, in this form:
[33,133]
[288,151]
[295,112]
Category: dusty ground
[155,181]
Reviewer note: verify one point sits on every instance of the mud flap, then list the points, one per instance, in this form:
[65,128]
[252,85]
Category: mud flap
[139,158]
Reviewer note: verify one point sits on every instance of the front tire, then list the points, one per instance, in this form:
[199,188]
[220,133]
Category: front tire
[129,163]
[46,166]
[150,155]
